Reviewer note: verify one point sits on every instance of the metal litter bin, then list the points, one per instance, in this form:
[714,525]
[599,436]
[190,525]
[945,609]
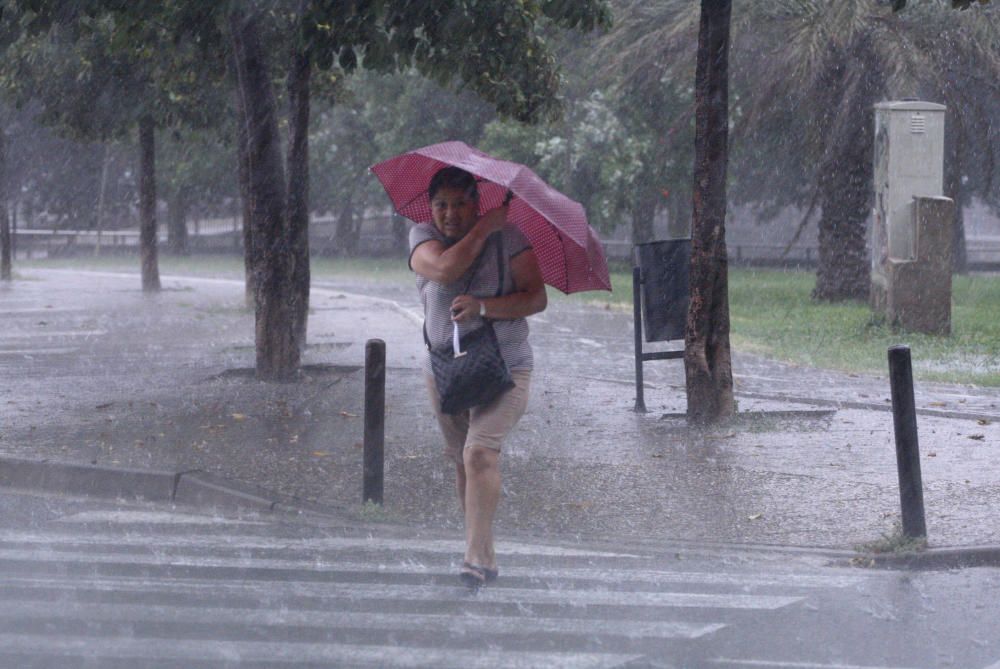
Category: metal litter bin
[660,294]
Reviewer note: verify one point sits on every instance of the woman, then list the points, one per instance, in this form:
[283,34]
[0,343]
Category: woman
[456,263]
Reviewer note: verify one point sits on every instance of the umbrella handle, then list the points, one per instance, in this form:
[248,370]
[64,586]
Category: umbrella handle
[508,197]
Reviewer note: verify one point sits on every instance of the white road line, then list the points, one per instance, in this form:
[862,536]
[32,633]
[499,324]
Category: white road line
[54,333]
[419,622]
[39,310]
[421,593]
[28,352]
[800,665]
[157,517]
[279,653]
[397,546]
[172,558]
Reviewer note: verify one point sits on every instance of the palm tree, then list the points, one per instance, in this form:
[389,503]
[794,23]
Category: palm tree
[823,66]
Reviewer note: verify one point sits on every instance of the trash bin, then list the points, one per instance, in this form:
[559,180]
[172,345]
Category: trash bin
[659,301]
[663,278]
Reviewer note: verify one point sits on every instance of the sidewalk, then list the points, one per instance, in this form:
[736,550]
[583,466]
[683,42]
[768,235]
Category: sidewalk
[93,372]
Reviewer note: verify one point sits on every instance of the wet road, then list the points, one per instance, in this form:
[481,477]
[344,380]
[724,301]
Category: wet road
[92,371]
[89,584]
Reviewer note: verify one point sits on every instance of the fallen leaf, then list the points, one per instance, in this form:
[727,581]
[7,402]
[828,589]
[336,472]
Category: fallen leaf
[756,516]
[977,437]
[320,454]
[936,404]
[657,455]
[348,414]
[239,416]
[294,439]
[106,405]
[983,421]
[932,454]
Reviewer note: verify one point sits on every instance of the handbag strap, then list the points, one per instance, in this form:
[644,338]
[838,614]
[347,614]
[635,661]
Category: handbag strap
[501,268]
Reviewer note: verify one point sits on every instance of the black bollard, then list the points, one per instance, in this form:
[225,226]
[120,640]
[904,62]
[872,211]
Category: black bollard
[904,418]
[374,453]
[640,400]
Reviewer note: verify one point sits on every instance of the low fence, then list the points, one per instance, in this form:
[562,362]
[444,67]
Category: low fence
[226,236]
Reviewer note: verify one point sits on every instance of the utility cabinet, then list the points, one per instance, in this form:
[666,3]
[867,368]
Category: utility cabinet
[912,221]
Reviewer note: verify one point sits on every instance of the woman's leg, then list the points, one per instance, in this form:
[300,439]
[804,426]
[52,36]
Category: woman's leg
[488,426]
[482,493]
[454,429]
[460,483]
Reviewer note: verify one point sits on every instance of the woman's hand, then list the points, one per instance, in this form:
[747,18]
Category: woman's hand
[465,307]
[493,220]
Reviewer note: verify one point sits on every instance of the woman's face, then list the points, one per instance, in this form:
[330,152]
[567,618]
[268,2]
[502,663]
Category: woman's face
[455,212]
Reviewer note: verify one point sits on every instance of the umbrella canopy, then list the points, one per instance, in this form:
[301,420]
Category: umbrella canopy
[569,253]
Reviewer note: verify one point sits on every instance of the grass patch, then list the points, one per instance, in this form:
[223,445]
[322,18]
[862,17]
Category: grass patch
[894,543]
[771,311]
[370,512]
[773,314]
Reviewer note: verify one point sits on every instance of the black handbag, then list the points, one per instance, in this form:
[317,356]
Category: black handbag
[475,373]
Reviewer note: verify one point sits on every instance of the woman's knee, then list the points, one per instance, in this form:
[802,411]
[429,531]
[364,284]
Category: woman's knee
[479,459]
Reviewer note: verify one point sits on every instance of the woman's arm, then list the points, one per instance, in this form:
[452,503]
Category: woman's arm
[528,299]
[445,264]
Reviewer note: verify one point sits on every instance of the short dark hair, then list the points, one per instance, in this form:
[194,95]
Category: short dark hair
[453,177]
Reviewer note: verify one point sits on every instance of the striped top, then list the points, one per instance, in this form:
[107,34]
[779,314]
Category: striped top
[437,298]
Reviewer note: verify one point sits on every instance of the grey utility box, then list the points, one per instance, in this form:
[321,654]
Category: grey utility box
[912,222]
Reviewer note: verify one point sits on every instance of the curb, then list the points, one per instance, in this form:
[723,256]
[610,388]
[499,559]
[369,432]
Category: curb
[206,490]
[191,487]
[932,559]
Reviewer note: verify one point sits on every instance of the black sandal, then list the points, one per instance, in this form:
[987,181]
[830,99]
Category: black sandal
[475,576]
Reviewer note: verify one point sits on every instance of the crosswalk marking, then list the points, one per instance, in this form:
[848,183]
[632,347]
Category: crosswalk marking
[798,665]
[146,587]
[424,593]
[315,544]
[423,622]
[320,564]
[154,517]
[279,653]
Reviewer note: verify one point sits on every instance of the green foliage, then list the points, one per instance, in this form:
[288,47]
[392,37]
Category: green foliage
[898,5]
[95,75]
[772,314]
[588,155]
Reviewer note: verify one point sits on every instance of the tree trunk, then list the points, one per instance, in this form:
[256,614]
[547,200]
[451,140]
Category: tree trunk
[679,210]
[707,358]
[642,218]
[277,351]
[843,272]
[6,270]
[99,223]
[953,167]
[400,233]
[147,205]
[242,155]
[243,176]
[177,233]
[347,232]
[846,182]
[298,191]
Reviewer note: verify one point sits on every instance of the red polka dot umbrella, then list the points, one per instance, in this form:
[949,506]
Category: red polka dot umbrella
[569,253]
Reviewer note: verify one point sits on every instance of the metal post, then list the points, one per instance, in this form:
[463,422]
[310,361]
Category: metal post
[904,418]
[640,402]
[374,454]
